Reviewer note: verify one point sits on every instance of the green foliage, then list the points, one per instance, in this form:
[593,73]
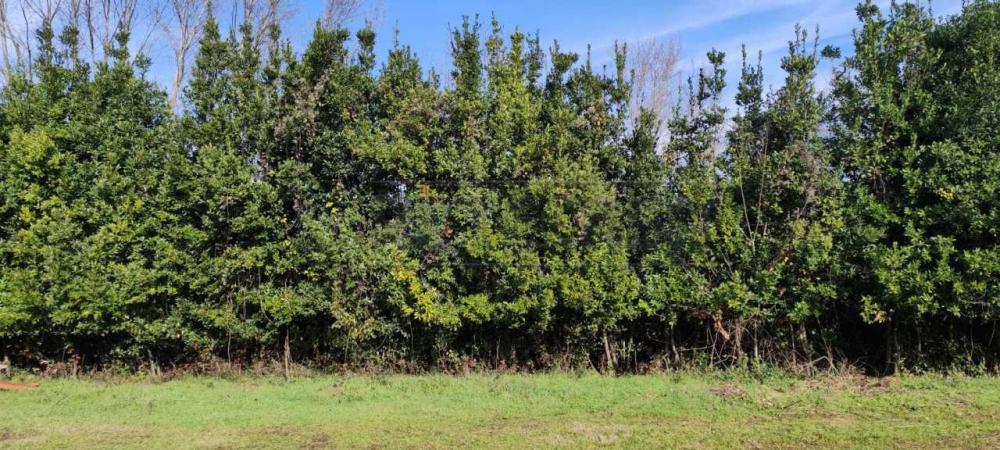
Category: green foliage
[920,167]
[322,207]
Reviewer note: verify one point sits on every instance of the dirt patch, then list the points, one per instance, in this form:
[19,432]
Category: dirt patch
[279,431]
[337,390]
[321,440]
[26,440]
[967,441]
[855,383]
[518,425]
[728,391]
[601,434]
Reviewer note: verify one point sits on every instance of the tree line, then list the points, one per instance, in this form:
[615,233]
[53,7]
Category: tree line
[332,206]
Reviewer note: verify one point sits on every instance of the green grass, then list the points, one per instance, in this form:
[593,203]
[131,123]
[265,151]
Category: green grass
[506,411]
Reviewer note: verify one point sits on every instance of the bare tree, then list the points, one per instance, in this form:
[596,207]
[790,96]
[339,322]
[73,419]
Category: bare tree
[71,18]
[72,12]
[27,36]
[652,64]
[263,14]
[184,29]
[44,10]
[153,14]
[103,19]
[337,12]
[12,37]
[4,40]
[88,15]
[33,13]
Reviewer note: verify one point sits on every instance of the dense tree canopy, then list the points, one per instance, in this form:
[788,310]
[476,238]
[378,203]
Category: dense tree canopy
[336,207]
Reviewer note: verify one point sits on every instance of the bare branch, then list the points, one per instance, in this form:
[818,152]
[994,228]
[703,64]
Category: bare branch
[337,12]
[652,64]
[153,16]
[44,10]
[27,39]
[4,45]
[187,21]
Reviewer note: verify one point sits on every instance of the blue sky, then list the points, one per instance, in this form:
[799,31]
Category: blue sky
[698,26]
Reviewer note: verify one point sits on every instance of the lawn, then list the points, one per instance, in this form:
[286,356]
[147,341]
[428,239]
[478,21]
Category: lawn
[562,410]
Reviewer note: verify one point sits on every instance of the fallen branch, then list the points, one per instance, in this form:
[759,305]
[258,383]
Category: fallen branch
[17,386]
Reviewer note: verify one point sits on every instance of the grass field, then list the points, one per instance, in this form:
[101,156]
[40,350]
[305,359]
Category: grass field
[507,411]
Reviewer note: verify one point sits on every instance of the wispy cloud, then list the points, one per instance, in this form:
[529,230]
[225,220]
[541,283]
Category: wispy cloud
[686,18]
[716,11]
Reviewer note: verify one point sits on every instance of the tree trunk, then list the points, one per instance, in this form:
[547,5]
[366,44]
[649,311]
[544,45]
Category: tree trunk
[288,355]
[3,41]
[5,366]
[890,351]
[609,358]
